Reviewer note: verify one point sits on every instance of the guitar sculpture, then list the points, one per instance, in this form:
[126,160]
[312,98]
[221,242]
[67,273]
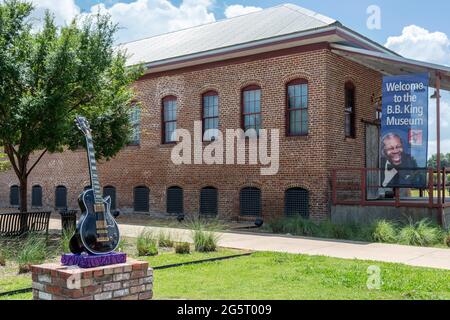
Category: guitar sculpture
[97,231]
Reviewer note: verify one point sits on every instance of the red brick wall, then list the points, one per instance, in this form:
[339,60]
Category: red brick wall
[304,161]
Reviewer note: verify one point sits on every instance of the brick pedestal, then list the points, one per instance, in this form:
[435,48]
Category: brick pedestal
[132,280]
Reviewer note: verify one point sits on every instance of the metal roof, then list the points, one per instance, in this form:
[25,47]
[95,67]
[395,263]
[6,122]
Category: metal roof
[394,65]
[269,23]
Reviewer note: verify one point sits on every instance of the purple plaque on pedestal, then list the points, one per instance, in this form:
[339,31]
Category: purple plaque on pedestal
[92,261]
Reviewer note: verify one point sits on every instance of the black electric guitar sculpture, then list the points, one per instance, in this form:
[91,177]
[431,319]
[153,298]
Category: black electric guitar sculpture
[97,231]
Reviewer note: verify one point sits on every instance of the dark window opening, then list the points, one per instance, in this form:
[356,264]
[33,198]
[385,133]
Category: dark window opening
[296,202]
[174,200]
[61,197]
[169,117]
[250,201]
[141,199]
[14,197]
[36,196]
[111,192]
[208,201]
[297,108]
[350,123]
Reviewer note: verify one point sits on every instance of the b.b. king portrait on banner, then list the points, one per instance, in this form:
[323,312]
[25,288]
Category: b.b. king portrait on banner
[404,131]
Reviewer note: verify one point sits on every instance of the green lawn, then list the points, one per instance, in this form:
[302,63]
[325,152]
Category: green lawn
[287,276]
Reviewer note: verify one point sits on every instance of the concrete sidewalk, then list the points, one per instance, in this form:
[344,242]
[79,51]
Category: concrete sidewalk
[414,256]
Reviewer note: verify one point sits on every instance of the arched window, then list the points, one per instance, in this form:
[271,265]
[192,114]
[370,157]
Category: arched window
[210,115]
[169,119]
[141,199]
[297,108]
[251,108]
[111,192]
[296,202]
[250,201]
[175,200]
[36,196]
[61,197]
[350,123]
[14,198]
[135,121]
[208,201]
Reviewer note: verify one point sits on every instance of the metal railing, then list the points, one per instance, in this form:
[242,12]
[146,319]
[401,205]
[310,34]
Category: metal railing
[362,186]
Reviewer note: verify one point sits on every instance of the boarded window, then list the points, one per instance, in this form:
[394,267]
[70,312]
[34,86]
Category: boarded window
[14,196]
[36,196]
[111,192]
[61,197]
[250,202]
[296,202]
[174,200]
[208,201]
[141,199]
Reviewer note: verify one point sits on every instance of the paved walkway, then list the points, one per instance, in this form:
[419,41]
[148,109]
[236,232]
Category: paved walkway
[414,256]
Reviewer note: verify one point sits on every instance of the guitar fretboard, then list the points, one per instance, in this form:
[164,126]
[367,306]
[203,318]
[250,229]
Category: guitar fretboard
[93,170]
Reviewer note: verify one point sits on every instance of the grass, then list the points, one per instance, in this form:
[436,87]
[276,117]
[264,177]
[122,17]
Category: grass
[275,276]
[165,239]
[288,276]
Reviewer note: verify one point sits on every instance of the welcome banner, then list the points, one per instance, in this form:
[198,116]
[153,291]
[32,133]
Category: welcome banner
[404,131]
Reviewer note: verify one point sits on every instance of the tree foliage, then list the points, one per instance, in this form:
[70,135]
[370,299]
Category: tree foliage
[445,161]
[50,75]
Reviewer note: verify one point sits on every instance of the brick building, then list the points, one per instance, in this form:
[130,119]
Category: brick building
[216,73]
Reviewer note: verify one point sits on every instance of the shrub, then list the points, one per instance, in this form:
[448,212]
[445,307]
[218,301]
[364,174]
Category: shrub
[146,244]
[422,233]
[294,225]
[33,251]
[122,244]
[165,240]
[384,231]
[183,248]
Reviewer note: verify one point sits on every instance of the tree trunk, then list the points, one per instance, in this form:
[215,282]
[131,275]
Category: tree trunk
[23,204]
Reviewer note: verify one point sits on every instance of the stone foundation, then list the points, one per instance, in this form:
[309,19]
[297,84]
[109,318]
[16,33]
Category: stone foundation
[132,280]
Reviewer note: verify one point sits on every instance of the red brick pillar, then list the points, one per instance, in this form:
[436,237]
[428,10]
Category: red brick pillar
[132,280]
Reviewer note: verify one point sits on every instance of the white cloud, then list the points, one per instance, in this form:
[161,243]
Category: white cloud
[63,10]
[138,19]
[144,18]
[238,10]
[420,44]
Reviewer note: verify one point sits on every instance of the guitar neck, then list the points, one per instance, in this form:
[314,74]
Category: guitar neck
[93,170]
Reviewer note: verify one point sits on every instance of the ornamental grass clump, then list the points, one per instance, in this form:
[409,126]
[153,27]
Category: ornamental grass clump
[146,244]
[165,240]
[204,237]
[385,231]
[2,259]
[66,235]
[422,233]
[183,248]
[33,251]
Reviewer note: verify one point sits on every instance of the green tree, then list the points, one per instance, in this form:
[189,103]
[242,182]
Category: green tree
[4,162]
[50,75]
[445,161]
